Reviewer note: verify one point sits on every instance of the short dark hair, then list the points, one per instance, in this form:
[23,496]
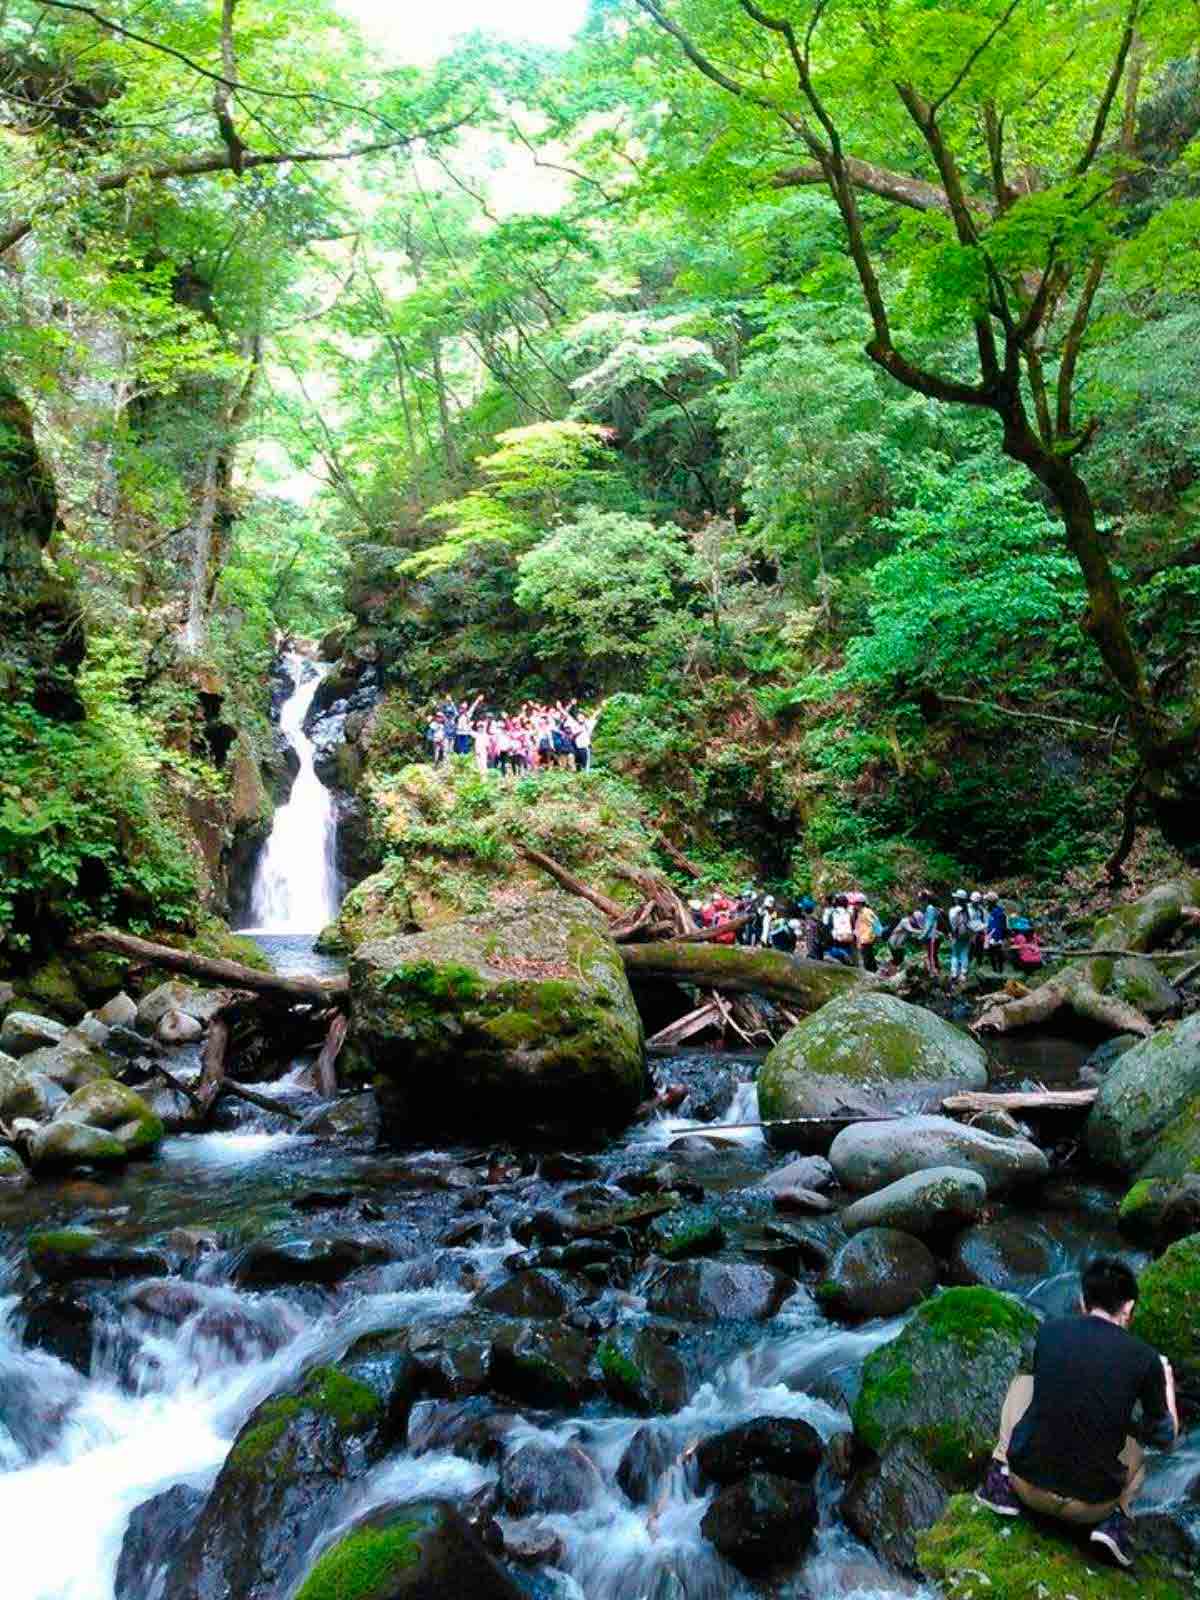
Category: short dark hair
[1108,1284]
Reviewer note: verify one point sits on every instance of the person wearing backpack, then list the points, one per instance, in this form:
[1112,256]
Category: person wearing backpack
[867,929]
[997,931]
[931,934]
[960,937]
[977,926]
[841,931]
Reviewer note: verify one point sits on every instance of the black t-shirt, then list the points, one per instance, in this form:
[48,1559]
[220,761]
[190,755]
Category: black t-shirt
[1088,1375]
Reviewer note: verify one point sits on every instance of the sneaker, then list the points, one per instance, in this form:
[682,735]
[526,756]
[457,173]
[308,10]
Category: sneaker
[1115,1533]
[997,1493]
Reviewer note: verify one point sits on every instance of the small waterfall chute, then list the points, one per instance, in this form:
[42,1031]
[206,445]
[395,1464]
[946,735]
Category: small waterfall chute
[295,889]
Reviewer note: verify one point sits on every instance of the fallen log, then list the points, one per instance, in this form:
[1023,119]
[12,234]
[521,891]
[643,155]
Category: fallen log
[264,1102]
[326,1068]
[676,855]
[705,1016]
[572,884]
[211,969]
[1135,929]
[805,985]
[1023,1100]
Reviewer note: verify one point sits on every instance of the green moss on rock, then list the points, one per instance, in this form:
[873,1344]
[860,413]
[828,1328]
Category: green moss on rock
[975,1555]
[1168,1308]
[363,1565]
[350,1405]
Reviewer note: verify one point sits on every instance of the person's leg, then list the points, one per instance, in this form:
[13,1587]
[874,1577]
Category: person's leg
[1016,1403]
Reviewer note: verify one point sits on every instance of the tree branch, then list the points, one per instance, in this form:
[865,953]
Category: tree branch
[1116,72]
[961,75]
[898,187]
[221,91]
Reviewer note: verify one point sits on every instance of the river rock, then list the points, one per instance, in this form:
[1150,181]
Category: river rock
[60,1319]
[808,1172]
[1167,1314]
[519,1018]
[533,1294]
[72,1063]
[1158,1211]
[1014,1252]
[477,1429]
[202,1004]
[892,1500]
[647,1457]
[62,1144]
[153,1535]
[93,1030]
[110,1106]
[545,1364]
[871,1155]
[455,1356]
[271,1263]
[1146,1118]
[119,1012]
[352,1120]
[23,1031]
[26,1093]
[66,1254]
[878,1273]
[289,1465]
[762,1523]
[176,1027]
[865,1052]
[942,1381]
[545,1477]
[642,1373]
[933,1201]
[688,1231]
[421,1551]
[787,1447]
[13,1172]
[717,1291]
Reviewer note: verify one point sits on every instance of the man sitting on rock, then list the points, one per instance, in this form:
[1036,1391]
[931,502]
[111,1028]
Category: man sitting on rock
[1066,1446]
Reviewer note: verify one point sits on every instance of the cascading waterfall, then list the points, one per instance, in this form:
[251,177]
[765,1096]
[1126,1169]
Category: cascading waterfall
[295,886]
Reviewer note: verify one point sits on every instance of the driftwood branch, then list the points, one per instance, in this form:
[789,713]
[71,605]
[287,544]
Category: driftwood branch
[676,855]
[1031,1100]
[326,1068]
[213,970]
[572,884]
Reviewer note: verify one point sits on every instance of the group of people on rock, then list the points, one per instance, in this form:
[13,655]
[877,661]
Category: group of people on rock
[976,927]
[536,737]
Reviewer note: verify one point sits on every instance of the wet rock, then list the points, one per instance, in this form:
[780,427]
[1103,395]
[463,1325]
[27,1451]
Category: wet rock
[804,1201]
[891,1501]
[533,1544]
[110,1106]
[60,1319]
[119,1012]
[455,1356]
[172,1108]
[924,1203]
[533,1294]
[878,1273]
[152,1537]
[93,1030]
[545,1365]
[274,1495]
[13,1172]
[688,1231]
[717,1291]
[71,1063]
[545,1477]
[1106,1055]
[839,1454]
[561,1167]
[940,1383]
[762,1524]
[26,1093]
[202,1004]
[477,1429]
[815,1243]
[1145,1117]
[1158,1211]
[352,1120]
[871,1155]
[73,1253]
[864,1052]
[648,1455]
[421,1551]
[313,1200]
[23,1031]
[167,1299]
[808,1172]
[235,1333]
[176,1027]
[271,1263]
[642,1373]
[786,1447]
[1014,1252]
[453,1031]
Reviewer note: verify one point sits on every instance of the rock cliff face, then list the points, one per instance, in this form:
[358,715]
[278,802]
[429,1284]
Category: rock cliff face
[520,1019]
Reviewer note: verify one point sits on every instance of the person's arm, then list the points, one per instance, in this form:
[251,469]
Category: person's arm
[1160,1407]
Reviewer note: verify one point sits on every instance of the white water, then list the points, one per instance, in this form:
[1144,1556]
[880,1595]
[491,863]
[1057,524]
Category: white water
[295,884]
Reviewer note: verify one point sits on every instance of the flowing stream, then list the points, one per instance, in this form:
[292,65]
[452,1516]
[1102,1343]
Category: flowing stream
[295,888]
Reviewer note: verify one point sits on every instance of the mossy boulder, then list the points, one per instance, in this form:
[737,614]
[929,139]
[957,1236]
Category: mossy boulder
[642,1373]
[71,1063]
[863,1052]
[687,1231]
[275,1493]
[109,1105]
[24,1092]
[924,1203]
[422,1551]
[1157,1211]
[66,1255]
[941,1383]
[1146,1118]
[973,1554]
[1168,1310]
[23,1031]
[1140,982]
[62,1144]
[520,1019]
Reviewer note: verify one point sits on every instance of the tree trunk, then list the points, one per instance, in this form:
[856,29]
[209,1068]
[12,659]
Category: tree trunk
[297,989]
[731,969]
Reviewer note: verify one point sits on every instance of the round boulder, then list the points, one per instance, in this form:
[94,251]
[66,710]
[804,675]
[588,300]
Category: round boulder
[934,1201]
[1013,1253]
[879,1273]
[787,1447]
[1146,1118]
[24,1031]
[865,1052]
[110,1106]
[762,1523]
[717,1291]
[871,1155]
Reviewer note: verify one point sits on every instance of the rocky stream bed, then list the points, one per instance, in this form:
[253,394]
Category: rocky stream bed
[619,1373]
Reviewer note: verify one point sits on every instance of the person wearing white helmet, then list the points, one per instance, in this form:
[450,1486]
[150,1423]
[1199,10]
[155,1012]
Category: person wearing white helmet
[977,924]
[960,936]
[766,921]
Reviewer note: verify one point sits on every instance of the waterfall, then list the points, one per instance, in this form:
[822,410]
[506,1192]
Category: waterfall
[295,886]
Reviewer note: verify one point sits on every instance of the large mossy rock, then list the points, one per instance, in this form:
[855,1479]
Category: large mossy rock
[423,1551]
[972,1553]
[941,1383]
[522,1018]
[1168,1310]
[113,1108]
[274,1495]
[863,1052]
[1146,1118]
